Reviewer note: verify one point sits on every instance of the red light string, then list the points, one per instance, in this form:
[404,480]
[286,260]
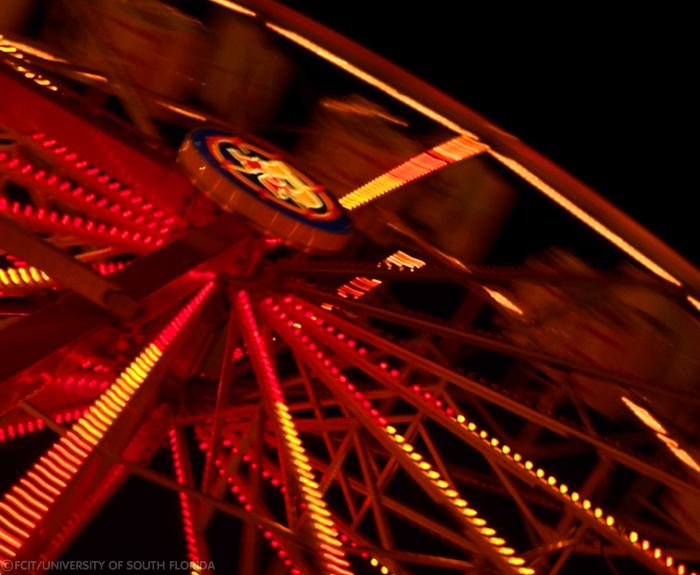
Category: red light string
[330,554]
[90,231]
[88,203]
[100,182]
[196,553]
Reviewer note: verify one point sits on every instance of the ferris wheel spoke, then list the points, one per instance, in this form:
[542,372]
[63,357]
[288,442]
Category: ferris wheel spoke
[195,542]
[490,394]
[69,469]
[163,273]
[368,472]
[300,481]
[423,324]
[400,510]
[287,549]
[318,413]
[492,548]
[222,393]
[332,337]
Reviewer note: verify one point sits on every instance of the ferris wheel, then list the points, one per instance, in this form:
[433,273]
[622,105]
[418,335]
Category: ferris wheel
[298,290]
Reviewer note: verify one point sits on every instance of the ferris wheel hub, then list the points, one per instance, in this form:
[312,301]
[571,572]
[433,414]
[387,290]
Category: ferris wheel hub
[245,178]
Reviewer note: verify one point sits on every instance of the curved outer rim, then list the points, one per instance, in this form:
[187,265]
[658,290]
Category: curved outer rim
[572,189]
[235,197]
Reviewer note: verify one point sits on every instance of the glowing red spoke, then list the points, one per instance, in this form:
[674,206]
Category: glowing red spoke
[274,478]
[25,425]
[283,550]
[53,222]
[330,554]
[605,524]
[48,478]
[102,183]
[196,549]
[85,201]
[493,547]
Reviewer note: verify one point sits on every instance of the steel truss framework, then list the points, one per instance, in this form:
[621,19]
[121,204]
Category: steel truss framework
[306,398]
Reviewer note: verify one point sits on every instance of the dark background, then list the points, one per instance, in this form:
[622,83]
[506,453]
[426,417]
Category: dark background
[607,95]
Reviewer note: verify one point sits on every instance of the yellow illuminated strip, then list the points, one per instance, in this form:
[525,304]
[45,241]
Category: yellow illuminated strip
[504,301]
[471,515]
[359,286]
[11,48]
[563,491]
[310,493]
[439,157]
[652,423]
[235,7]
[573,209]
[63,460]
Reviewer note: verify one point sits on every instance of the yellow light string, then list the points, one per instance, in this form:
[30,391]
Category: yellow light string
[46,480]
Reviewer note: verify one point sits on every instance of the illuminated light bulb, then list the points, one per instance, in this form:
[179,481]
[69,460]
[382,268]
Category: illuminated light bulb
[469,512]
[461,418]
[598,512]
[646,545]
[512,560]
[442,484]
[526,571]
[399,438]
[460,503]
[586,504]
[517,457]
[407,447]
[416,456]
[563,488]
[529,465]
[483,434]
[551,480]
[633,536]
[390,430]
[451,493]
[374,562]
[497,541]
[488,531]
[669,561]
[610,521]
[540,473]
[505,449]
[471,426]
[433,474]
[657,553]
[575,496]
[425,465]
[384,570]
[478,521]
[494,442]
